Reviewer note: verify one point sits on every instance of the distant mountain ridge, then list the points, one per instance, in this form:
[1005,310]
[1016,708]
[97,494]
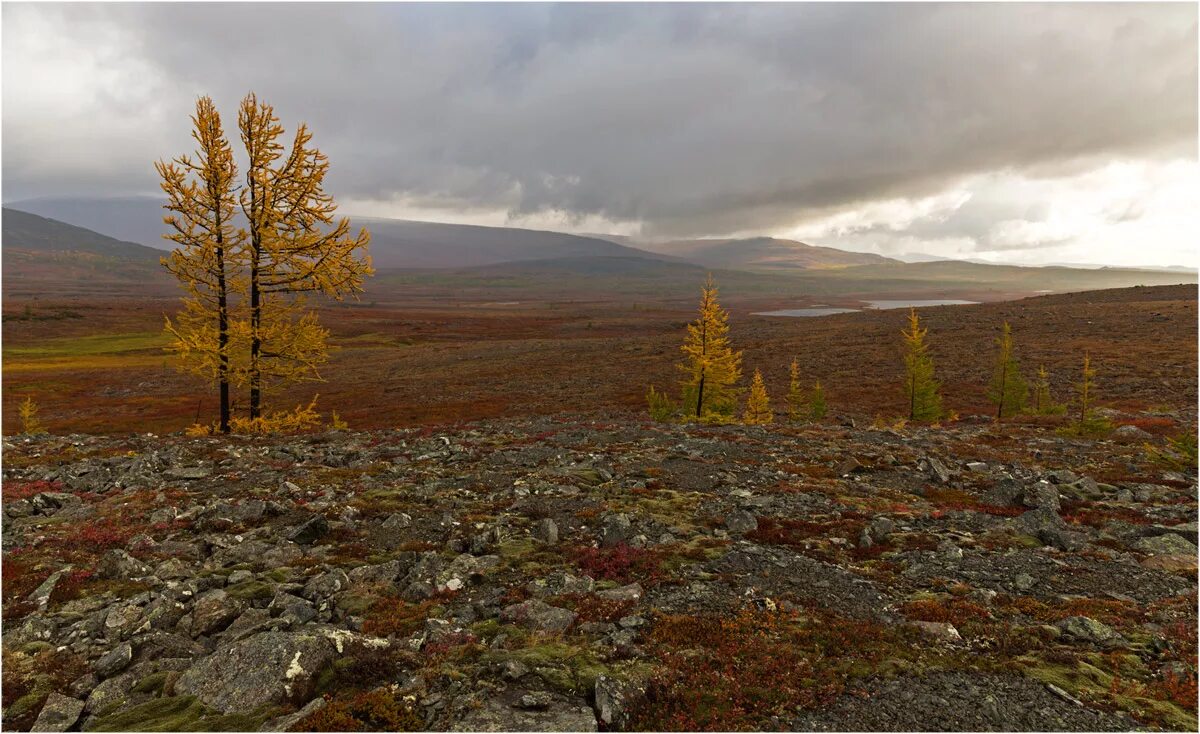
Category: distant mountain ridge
[41,254]
[129,218]
[25,231]
[764,253]
[398,243]
[395,243]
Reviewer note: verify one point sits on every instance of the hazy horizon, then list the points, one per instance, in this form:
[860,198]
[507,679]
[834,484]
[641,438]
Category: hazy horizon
[1023,134]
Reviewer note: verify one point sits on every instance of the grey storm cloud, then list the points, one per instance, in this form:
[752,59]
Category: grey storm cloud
[691,119]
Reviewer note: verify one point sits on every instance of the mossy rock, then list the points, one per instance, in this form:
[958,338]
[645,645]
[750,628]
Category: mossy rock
[1087,680]
[176,713]
[279,575]
[251,590]
[356,604]
[513,549]
[152,683]
[561,666]
[487,629]
[26,705]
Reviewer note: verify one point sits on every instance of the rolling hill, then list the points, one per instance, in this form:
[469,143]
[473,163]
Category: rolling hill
[758,253]
[395,243]
[25,231]
[40,254]
[128,218]
[407,253]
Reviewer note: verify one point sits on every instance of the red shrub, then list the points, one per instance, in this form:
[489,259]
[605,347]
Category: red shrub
[101,535]
[14,490]
[621,563]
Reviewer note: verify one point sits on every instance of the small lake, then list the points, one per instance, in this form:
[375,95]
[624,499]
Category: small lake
[875,305]
[885,305]
[807,312]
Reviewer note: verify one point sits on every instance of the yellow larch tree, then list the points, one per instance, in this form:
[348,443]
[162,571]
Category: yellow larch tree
[1043,403]
[201,200]
[816,403]
[294,248]
[758,404]
[920,387]
[1007,388]
[796,402]
[28,413]
[712,367]
[1085,389]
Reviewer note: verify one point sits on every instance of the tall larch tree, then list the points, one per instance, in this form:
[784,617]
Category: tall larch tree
[295,248]
[712,367]
[920,387]
[758,404]
[796,402]
[1007,389]
[201,196]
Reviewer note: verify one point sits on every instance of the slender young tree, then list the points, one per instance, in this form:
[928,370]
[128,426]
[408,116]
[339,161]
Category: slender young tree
[201,198]
[28,413]
[711,366]
[816,402]
[796,402]
[920,387]
[1007,389]
[1043,402]
[1085,387]
[758,405]
[294,248]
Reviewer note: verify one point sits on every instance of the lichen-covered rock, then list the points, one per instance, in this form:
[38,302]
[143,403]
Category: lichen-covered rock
[558,714]
[614,530]
[114,661]
[538,615]
[560,582]
[118,564]
[59,713]
[1041,496]
[1166,545]
[267,668]
[740,522]
[629,592]
[1045,525]
[1087,629]
[615,700]
[310,530]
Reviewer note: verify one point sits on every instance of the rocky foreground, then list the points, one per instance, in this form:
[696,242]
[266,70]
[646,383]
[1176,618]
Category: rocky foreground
[565,574]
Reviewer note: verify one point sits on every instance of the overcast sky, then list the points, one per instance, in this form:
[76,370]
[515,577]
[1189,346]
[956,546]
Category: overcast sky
[1022,133]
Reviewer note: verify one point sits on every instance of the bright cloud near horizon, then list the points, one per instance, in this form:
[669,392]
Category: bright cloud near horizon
[1021,133]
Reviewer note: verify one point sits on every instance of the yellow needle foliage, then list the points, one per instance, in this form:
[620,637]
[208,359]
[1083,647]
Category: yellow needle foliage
[1085,388]
[920,387]
[28,413]
[816,403]
[796,403]
[1007,389]
[1043,404]
[758,405]
[712,367]
[294,247]
[201,199]
[245,318]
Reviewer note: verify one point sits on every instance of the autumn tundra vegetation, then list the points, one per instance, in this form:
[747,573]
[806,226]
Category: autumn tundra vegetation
[742,562]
